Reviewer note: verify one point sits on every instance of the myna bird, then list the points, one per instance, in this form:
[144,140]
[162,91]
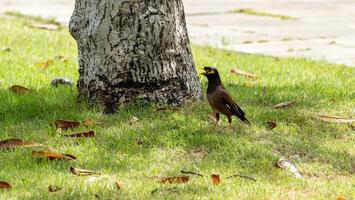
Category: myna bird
[220,99]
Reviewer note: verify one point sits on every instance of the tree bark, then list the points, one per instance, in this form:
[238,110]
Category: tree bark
[134,49]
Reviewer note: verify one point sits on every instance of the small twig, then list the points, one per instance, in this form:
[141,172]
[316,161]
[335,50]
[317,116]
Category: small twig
[242,176]
[173,189]
[263,92]
[193,173]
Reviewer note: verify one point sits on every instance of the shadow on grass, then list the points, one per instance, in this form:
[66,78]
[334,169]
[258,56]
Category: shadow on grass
[186,134]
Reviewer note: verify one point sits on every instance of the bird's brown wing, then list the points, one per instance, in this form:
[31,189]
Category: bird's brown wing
[233,107]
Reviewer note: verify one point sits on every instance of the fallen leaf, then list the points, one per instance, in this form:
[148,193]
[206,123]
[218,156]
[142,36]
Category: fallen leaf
[242,176]
[53,188]
[175,179]
[83,172]
[119,185]
[133,120]
[216,180]
[89,122]
[15,143]
[5,185]
[242,73]
[53,155]
[17,89]
[65,124]
[45,65]
[174,190]
[335,119]
[271,125]
[51,27]
[287,165]
[341,197]
[6,49]
[82,135]
[284,104]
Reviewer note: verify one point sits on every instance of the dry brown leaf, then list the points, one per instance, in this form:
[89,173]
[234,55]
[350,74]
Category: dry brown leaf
[53,155]
[284,104]
[82,135]
[89,122]
[53,188]
[119,185]
[66,124]
[45,64]
[287,165]
[175,179]
[17,89]
[51,27]
[216,180]
[335,119]
[271,125]
[341,197]
[5,185]
[83,172]
[242,73]
[16,143]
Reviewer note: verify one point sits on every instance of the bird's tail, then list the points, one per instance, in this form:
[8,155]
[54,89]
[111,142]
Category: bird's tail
[246,121]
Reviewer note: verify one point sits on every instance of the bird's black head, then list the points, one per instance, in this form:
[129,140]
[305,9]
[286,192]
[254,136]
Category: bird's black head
[211,73]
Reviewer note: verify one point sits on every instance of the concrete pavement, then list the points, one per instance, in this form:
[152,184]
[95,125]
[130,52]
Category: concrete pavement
[322,30]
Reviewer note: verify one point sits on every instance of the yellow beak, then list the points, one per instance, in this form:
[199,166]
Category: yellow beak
[202,73]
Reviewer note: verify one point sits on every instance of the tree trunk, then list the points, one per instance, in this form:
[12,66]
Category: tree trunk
[134,49]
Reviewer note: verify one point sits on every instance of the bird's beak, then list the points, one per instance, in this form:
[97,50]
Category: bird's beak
[202,73]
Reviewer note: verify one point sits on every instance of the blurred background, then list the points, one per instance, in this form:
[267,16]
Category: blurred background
[315,29]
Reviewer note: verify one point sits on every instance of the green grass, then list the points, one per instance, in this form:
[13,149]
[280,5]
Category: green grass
[249,11]
[32,18]
[170,141]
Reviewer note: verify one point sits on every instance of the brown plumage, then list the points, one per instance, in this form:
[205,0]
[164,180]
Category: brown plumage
[220,99]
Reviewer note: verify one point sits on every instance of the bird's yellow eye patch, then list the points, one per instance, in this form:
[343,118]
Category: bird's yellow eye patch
[210,71]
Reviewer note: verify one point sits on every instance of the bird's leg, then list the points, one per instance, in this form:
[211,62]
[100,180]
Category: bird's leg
[229,122]
[217,119]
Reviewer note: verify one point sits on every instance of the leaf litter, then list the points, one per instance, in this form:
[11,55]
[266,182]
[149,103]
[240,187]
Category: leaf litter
[5,185]
[335,119]
[287,165]
[17,143]
[18,89]
[87,134]
[284,105]
[239,72]
[83,172]
[53,155]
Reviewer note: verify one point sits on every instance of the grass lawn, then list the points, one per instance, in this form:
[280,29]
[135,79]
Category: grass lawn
[162,143]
